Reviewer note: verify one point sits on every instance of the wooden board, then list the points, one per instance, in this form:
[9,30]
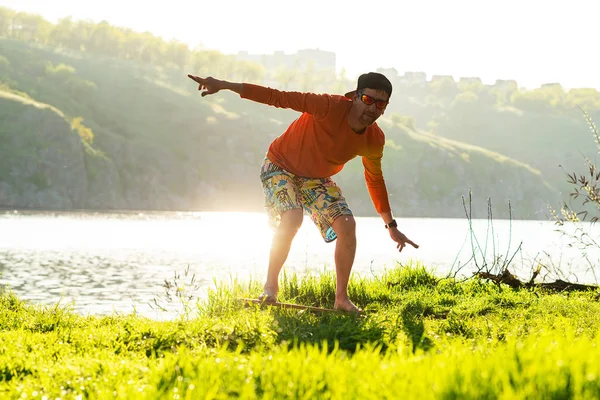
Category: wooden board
[248,302]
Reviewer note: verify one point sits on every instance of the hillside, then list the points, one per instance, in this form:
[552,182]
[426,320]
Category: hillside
[427,176]
[82,131]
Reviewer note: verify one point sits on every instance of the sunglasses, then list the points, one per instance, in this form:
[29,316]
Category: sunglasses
[368,100]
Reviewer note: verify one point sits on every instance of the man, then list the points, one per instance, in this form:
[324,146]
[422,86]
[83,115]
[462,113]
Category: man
[296,173]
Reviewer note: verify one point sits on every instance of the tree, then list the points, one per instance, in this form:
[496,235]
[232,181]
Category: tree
[542,100]
[106,40]
[62,34]
[466,107]
[249,71]
[554,93]
[503,90]
[341,84]
[207,62]
[178,53]
[445,87]
[133,45]
[586,98]
[153,49]
[6,18]
[285,77]
[81,33]
[33,27]
[309,76]
[471,85]
[465,98]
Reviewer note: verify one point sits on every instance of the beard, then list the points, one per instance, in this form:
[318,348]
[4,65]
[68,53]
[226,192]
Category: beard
[368,119]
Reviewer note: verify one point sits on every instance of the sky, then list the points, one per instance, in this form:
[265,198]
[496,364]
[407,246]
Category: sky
[531,41]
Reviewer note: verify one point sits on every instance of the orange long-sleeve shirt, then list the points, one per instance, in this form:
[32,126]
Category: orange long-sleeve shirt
[320,142]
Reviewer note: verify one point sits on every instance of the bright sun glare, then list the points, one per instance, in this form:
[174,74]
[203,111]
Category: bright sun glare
[531,41]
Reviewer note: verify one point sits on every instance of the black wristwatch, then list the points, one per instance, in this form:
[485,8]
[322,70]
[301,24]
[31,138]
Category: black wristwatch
[392,224]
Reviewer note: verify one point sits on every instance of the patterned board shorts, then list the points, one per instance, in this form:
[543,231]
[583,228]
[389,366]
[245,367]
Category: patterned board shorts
[321,198]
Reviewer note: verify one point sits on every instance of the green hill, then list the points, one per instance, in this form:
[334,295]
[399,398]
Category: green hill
[427,176]
[83,131]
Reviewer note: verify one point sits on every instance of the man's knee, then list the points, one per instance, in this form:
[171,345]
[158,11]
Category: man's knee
[345,226]
[291,221]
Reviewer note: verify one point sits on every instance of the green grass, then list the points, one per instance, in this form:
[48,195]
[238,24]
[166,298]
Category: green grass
[420,337]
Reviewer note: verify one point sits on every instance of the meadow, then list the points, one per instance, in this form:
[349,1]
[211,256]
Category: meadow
[420,336]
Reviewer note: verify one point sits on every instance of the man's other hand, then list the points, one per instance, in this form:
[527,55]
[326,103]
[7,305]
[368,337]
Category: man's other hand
[401,239]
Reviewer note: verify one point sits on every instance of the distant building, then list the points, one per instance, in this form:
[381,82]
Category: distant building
[437,78]
[320,59]
[411,77]
[469,79]
[307,69]
[552,85]
[390,73]
[505,84]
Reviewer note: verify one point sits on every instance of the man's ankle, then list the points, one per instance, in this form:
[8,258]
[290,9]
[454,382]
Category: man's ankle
[271,290]
[341,297]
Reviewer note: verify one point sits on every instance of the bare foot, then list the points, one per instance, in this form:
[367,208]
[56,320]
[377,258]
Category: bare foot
[346,305]
[268,296]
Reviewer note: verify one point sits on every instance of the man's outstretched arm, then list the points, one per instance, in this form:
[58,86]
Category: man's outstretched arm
[315,104]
